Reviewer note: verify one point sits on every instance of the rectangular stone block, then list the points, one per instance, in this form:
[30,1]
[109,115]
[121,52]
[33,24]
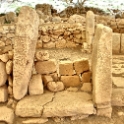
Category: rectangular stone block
[101,66]
[3,93]
[47,79]
[66,68]
[122,43]
[116,40]
[71,81]
[81,66]
[86,76]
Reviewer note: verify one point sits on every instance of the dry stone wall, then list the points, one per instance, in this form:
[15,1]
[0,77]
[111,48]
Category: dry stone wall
[32,84]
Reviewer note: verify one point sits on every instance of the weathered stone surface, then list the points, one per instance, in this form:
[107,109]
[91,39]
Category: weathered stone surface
[46,67]
[71,81]
[106,112]
[10,54]
[24,49]
[49,45]
[6,114]
[32,106]
[66,68]
[35,121]
[42,55]
[3,93]
[122,43]
[81,65]
[36,85]
[101,69]
[3,74]
[90,27]
[9,67]
[45,38]
[118,81]
[47,79]
[7,48]
[117,97]
[61,43]
[77,117]
[116,40]
[69,104]
[55,86]
[87,87]
[86,76]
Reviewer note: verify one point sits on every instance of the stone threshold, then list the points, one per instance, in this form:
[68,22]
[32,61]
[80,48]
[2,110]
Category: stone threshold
[60,104]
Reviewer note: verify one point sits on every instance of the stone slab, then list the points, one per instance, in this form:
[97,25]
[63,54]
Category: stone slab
[32,106]
[101,69]
[117,97]
[69,104]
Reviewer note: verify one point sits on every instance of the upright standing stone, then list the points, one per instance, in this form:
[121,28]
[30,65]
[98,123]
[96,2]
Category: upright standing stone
[90,26]
[101,66]
[116,40]
[122,43]
[24,49]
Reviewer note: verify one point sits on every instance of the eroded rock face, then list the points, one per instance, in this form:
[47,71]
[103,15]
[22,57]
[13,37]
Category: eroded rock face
[24,49]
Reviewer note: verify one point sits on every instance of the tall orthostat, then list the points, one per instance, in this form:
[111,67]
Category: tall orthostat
[101,69]
[24,49]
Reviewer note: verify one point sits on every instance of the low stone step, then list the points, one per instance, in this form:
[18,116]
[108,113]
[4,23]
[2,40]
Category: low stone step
[59,104]
[118,97]
[69,104]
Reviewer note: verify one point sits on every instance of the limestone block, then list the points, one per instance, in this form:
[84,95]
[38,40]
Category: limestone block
[122,43]
[86,76]
[117,97]
[6,114]
[7,48]
[105,112]
[4,57]
[55,86]
[32,106]
[69,104]
[47,79]
[46,67]
[118,81]
[87,87]
[42,55]
[9,67]
[71,81]
[35,121]
[24,49]
[3,93]
[81,66]
[36,85]
[49,45]
[102,63]
[66,68]
[3,74]
[116,40]
[61,43]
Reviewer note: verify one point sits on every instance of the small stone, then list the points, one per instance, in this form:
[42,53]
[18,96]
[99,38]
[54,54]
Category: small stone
[86,76]
[45,38]
[81,66]
[6,114]
[46,67]
[10,54]
[3,94]
[120,113]
[4,57]
[52,86]
[87,87]
[7,48]
[36,85]
[9,67]
[71,81]
[66,68]
[42,55]
[47,79]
